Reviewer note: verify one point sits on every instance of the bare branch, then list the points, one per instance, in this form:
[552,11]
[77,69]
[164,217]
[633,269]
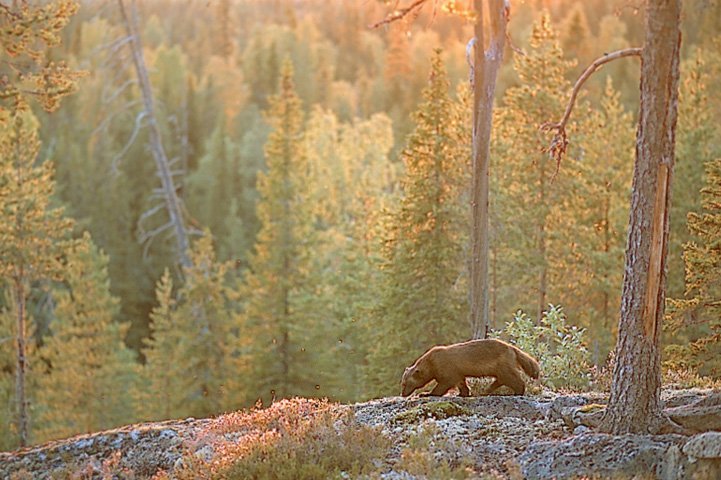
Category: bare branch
[147,237]
[560,140]
[103,125]
[149,213]
[400,13]
[129,143]
[118,91]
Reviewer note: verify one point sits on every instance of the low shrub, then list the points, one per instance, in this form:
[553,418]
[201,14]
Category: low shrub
[559,347]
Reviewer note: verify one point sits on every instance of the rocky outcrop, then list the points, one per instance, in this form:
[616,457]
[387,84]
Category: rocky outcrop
[539,437]
[703,415]
[142,449]
[606,456]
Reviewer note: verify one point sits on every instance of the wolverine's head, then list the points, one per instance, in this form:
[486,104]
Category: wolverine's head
[413,378]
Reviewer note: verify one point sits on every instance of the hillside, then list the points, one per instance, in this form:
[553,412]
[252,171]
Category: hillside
[536,437]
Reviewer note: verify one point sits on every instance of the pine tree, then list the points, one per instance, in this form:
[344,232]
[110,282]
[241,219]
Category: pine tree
[601,219]
[534,230]
[193,364]
[31,235]
[284,310]
[421,302]
[26,32]
[89,372]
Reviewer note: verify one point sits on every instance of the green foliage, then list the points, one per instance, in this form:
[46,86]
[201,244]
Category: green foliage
[421,300]
[26,33]
[193,358]
[30,229]
[33,238]
[560,348]
[533,231]
[285,310]
[89,373]
[702,300]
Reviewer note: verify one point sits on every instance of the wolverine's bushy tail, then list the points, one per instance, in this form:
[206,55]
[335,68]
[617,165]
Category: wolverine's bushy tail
[527,363]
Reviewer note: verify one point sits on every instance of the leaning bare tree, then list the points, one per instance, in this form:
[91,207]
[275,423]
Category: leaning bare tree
[487,55]
[171,201]
[635,406]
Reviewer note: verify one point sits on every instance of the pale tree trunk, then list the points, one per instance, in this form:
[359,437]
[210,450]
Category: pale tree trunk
[172,202]
[486,63]
[634,406]
[21,366]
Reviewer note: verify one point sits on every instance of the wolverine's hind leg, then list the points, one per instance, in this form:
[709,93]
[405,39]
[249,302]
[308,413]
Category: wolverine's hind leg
[514,380]
[509,378]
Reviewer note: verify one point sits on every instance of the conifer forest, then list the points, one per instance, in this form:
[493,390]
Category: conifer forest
[209,204]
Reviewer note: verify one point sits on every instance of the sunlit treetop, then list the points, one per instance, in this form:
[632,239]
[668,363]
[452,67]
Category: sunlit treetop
[26,33]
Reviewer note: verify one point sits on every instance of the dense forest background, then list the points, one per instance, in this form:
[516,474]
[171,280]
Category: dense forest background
[323,168]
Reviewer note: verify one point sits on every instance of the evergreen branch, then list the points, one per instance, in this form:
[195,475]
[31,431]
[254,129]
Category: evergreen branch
[400,13]
[560,140]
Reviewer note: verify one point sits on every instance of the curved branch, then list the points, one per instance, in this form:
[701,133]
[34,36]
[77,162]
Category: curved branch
[399,13]
[560,140]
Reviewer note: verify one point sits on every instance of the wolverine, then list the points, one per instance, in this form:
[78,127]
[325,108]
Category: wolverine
[449,365]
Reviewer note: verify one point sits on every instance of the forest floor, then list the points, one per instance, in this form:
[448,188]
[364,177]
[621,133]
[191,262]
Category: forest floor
[489,437]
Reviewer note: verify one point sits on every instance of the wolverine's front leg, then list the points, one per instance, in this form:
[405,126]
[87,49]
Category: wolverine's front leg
[439,390]
[463,388]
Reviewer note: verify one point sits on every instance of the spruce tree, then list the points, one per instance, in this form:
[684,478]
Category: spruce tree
[89,373]
[422,301]
[283,310]
[700,309]
[193,365]
[352,176]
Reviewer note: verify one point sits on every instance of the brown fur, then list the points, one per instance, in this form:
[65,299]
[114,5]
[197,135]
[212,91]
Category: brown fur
[449,365]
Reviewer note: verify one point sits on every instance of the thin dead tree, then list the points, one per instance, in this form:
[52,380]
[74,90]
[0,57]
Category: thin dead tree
[635,405]
[486,52]
[167,189]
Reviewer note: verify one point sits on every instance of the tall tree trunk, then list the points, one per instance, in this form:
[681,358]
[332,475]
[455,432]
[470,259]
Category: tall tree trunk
[634,406]
[486,63]
[21,367]
[172,203]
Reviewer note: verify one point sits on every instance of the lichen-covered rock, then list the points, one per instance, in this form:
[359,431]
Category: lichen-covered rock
[436,410]
[606,456]
[697,418]
[142,449]
[704,445]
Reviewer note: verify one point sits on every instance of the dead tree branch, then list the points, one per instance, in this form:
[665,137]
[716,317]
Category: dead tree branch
[400,13]
[172,202]
[559,143]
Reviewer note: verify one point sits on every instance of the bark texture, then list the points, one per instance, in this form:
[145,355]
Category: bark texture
[634,406]
[486,63]
[20,396]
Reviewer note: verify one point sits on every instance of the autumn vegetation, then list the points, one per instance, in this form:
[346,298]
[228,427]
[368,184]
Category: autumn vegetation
[321,170]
